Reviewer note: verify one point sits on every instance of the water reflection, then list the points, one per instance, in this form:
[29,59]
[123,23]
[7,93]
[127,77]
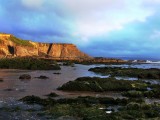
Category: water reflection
[13,87]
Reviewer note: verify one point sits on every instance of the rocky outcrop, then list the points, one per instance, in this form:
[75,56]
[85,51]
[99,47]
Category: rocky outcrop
[11,46]
[107,60]
[25,51]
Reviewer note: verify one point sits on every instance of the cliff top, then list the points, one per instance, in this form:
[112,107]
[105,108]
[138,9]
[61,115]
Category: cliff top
[18,41]
[5,35]
[1,33]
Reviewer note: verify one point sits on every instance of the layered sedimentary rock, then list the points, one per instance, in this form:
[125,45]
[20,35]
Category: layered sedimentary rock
[12,46]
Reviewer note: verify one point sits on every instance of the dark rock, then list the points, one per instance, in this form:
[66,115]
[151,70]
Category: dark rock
[42,77]
[25,76]
[128,72]
[57,73]
[68,118]
[141,76]
[37,100]
[102,84]
[68,64]
[52,95]
[1,80]
[54,67]
[153,76]
[8,89]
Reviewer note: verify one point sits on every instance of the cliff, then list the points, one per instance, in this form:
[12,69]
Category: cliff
[10,46]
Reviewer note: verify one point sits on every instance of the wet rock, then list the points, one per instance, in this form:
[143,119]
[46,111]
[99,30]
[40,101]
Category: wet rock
[149,76]
[68,64]
[69,118]
[8,89]
[42,77]
[52,95]
[25,76]
[1,80]
[102,84]
[54,67]
[141,76]
[153,76]
[57,73]
[37,100]
[128,72]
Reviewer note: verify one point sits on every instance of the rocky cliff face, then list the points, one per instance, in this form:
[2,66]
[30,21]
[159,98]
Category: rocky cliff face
[12,46]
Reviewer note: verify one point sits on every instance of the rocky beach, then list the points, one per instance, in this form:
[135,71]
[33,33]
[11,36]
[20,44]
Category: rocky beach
[40,81]
[79,60]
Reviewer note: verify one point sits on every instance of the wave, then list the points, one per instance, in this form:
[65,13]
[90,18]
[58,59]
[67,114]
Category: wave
[148,61]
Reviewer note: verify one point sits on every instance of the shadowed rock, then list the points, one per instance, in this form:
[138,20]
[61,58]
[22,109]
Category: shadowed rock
[52,95]
[128,72]
[1,80]
[42,77]
[25,76]
[8,89]
[57,73]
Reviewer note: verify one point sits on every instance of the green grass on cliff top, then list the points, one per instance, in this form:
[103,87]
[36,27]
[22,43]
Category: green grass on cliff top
[21,42]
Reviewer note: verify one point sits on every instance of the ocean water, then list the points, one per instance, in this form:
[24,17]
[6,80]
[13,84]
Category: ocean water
[143,65]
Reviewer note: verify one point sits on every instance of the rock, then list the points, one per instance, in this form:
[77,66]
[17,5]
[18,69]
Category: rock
[96,84]
[128,72]
[25,76]
[57,73]
[42,77]
[52,95]
[54,67]
[1,80]
[8,89]
[68,64]
[28,63]
[37,100]
[141,76]
[69,118]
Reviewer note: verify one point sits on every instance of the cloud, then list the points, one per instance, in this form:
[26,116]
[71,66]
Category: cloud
[100,28]
[84,19]
[134,41]
[155,35]
[34,4]
[29,21]
[94,18]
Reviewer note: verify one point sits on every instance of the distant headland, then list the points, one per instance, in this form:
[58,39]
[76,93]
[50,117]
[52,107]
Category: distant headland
[11,46]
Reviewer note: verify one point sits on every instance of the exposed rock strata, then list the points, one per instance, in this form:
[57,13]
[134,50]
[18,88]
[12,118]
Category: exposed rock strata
[8,47]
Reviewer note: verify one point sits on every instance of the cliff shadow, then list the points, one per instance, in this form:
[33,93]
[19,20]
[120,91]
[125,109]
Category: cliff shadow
[49,49]
[11,49]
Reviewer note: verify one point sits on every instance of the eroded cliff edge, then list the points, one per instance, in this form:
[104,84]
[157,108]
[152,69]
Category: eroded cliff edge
[10,46]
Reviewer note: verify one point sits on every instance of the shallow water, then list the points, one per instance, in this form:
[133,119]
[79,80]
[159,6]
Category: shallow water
[15,88]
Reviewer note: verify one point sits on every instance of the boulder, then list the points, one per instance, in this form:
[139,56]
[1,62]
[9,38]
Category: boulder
[42,77]
[57,73]
[25,76]
[1,80]
[52,95]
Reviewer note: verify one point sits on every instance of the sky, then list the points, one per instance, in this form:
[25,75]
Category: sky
[128,29]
